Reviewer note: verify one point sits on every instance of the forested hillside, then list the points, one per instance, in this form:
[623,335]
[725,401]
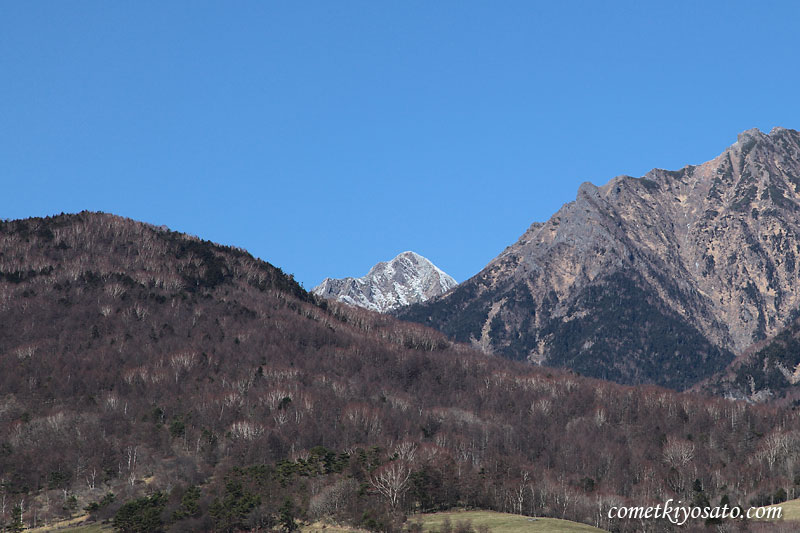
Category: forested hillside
[769,371]
[154,378]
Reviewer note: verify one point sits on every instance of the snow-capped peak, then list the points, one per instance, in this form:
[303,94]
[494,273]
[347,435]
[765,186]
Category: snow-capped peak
[408,278]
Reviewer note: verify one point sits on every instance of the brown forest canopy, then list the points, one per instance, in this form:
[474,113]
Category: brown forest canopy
[139,361]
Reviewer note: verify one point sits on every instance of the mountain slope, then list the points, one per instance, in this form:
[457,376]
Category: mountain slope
[136,361]
[660,279]
[768,371]
[406,279]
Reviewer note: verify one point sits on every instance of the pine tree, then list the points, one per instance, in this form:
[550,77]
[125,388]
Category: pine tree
[16,524]
[287,518]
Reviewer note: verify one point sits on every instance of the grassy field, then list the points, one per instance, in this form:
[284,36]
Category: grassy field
[91,528]
[504,523]
[72,528]
[319,527]
[791,510]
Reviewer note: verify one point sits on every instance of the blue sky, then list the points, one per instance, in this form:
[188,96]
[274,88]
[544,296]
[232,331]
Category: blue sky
[326,136]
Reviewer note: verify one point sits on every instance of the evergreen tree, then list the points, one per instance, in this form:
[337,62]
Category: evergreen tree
[287,516]
[16,524]
[142,515]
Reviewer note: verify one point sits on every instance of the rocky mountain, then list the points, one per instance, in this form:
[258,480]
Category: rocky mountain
[408,278]
[661,279]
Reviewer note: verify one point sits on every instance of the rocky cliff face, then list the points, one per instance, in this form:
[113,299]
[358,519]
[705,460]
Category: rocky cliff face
[657,279]
[408,278]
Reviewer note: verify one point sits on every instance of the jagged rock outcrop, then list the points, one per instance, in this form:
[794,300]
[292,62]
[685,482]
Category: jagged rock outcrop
[408,278]
[655,279]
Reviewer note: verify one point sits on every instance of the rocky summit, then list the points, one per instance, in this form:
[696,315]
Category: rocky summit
[659,279]
[408,278]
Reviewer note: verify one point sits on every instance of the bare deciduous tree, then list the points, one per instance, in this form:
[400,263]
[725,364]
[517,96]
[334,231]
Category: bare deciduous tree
[678,453]
[392,482]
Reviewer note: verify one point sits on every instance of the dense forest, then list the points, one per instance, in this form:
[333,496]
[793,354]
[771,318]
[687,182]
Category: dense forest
[165,383]
[766,372]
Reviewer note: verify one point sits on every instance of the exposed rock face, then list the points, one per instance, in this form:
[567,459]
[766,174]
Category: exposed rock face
[658,279]
[406,279]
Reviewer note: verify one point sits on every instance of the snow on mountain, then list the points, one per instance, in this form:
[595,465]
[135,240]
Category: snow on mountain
[408,278]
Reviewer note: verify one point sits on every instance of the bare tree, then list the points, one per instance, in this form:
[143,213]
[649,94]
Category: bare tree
[405,451]
[91,478]
[391,481]
[3,503]
[132,453]
[678,453]
[332,499]
[775,445]
[519,492]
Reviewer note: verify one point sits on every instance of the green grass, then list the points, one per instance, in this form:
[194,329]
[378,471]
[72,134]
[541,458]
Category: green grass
[503,522]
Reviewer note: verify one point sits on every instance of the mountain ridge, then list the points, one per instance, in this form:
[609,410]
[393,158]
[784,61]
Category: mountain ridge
[712,246]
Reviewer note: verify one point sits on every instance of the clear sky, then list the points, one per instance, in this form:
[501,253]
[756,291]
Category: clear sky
[326,136]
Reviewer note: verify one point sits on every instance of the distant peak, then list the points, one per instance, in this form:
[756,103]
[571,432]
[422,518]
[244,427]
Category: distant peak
[407,278]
